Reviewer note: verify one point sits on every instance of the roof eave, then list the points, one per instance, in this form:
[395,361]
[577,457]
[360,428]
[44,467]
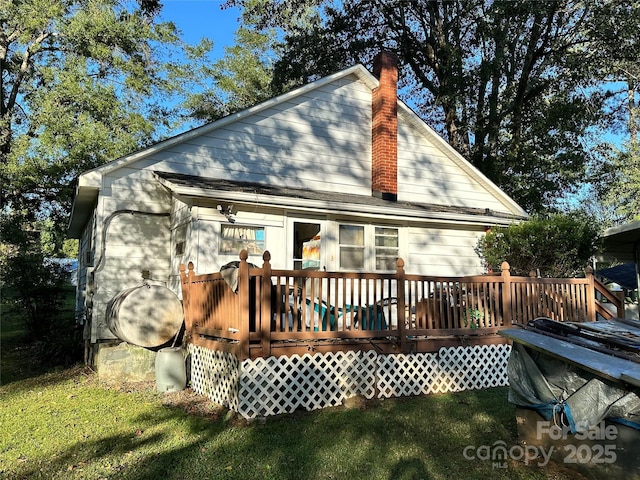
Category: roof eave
[622,243]
[351,209]
[83,204]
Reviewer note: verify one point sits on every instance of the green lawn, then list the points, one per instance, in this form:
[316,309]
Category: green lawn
[66,424]
[15,353]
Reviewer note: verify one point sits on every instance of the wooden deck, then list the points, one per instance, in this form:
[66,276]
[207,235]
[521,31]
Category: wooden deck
[282,312]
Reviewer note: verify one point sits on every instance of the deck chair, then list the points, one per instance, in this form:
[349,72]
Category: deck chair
[325,315]
[372,317]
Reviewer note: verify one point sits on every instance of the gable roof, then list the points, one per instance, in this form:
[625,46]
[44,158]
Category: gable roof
[89,183]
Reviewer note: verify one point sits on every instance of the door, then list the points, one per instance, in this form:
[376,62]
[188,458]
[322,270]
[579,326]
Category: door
[306,252]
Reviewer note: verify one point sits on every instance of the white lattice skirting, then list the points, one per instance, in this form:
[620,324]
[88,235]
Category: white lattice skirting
[274,385]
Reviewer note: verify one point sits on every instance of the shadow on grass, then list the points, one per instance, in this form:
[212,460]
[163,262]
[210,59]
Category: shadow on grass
[405,439]
[409,468]
[408,438]
[29,379]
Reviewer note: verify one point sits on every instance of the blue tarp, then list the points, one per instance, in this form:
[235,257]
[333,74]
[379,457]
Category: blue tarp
[624,275]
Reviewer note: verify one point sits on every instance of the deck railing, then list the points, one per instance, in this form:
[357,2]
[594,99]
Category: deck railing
[276,312]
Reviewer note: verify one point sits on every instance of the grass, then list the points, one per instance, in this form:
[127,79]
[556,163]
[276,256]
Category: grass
[26,357]
[66,424]
[15,351]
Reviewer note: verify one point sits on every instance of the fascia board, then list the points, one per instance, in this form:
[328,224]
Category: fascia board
[623,230]
[86,195]
[83,203]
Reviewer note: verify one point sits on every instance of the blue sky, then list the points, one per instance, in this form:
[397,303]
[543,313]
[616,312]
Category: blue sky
[203,18]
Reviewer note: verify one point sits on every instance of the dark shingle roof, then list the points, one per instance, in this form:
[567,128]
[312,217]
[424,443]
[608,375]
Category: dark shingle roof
[334,198]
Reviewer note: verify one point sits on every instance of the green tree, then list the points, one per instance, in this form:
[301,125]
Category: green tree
[557,246]
[620,184]
[240,79]
[617,180]
[27,279]
[82,82]
[511,85]
[244,76]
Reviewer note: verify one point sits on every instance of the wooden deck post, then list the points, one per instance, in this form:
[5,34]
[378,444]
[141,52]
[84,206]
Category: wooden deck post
[620,306]
[507,312]
[400,278]
[265,314]
[243,302]
[591,294]
[186,298]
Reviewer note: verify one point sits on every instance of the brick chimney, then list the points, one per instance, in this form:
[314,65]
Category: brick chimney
[384,133]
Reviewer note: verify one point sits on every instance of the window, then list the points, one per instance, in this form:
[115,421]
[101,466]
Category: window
[387,248]
[87,243]
[351,240]
[366,247]
[88,258]
[234,238]
[180,239]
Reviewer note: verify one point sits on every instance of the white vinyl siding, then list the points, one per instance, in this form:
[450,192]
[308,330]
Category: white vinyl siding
[135,242]
[443,252]
[318,141]
[427,175]
[206,232]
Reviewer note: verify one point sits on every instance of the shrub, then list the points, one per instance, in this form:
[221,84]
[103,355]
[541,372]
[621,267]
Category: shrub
[38,288]
[560,245]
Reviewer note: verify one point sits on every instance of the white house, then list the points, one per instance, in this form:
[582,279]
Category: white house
[338,175]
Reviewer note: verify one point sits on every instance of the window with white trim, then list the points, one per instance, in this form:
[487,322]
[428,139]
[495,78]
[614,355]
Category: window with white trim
[387,248]
[234,238]
[368,247]
[352,247]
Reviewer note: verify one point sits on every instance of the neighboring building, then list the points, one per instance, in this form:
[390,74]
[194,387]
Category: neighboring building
[335,175]
[621,247]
